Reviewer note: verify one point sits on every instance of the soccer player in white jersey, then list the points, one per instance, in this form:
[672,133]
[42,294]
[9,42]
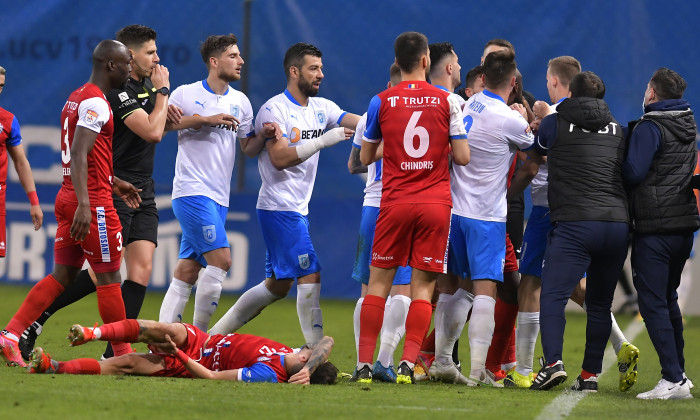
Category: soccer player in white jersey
[477,238]
[288,170]
[209,115]
[560,71]
[394,325]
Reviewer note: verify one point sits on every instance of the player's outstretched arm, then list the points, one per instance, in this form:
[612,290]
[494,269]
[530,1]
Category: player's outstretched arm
[24,172]
[192,121]
[319,355]
[350,121]
[282,156]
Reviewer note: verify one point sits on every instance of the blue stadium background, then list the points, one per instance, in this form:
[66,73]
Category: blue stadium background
[46,45]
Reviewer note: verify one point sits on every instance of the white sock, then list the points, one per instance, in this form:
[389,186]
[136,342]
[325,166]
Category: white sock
[616,335]
[356,325]
[525,340]
[97,333]
[481,327]
[393,328]
[309,311]
[206,298]
[174,301]
[247,307]
[455,312]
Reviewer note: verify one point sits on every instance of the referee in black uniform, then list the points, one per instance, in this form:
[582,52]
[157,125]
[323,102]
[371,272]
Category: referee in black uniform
[140,111]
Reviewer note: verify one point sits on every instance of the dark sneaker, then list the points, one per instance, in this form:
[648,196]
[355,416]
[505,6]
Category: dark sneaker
[363,376]
[28,339]
[405,374]
[585,385]
[383,374]
[549,376]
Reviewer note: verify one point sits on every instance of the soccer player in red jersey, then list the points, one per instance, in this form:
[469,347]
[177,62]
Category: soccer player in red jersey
[184,351]
[11,143]
[88,226]
[417,122]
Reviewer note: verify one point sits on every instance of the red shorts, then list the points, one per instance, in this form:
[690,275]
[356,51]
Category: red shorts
[412,234]
[193,346]
[102,246]
[511,264]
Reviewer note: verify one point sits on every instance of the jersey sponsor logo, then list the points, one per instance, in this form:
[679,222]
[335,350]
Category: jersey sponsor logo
[102,233]
[321,116]
[71,106]
[304,134]
[264,359]
[304,261]
[128,103]
[200,103]
[606,130]
[90,116]
[209,233]
[235,110]
[123,96]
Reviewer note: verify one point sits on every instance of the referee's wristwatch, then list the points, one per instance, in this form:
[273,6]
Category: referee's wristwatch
[163,91]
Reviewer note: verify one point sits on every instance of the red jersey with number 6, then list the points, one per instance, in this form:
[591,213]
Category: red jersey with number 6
[88,107]
[416,122]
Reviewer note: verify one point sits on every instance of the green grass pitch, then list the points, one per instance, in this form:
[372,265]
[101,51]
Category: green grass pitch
[97,397]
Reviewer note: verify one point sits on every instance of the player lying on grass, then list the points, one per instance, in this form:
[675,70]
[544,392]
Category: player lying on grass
[182,350]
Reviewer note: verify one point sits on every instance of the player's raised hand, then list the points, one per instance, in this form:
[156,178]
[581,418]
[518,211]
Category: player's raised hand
[160,77]
[225,119]
[127,192]
[37,216]
[520,108]
[541,109]
[175,114]
[81,222]
[535,125]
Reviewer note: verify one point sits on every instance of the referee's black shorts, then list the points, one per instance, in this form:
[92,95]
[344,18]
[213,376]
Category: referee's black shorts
[140,224]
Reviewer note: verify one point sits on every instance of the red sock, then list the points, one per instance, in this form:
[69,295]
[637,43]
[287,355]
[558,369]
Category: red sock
[111,307]
[585,374]
[505,316]
[428,345]
[80,367]
[38,299]
[417,324]
[371,318]
[126,331]
[509,353]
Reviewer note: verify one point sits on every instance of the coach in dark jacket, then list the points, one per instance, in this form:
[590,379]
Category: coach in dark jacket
[658,169]
[588,203]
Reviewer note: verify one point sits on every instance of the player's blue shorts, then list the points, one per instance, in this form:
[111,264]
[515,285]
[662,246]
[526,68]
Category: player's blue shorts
[202,222]
[477,248]
[364,250]
[535,241]
[290,253]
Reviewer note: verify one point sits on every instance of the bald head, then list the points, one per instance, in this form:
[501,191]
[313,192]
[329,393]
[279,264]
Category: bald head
[111,64]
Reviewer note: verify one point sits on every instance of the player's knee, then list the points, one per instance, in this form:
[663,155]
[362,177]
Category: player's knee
[279,287]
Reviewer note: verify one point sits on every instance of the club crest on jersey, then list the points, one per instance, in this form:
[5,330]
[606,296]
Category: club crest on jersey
[321,117]
[209,233]
[91,116]
[304,261]
[123,97]
[234,110]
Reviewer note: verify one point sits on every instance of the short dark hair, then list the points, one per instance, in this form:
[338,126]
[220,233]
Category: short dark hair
[500,42]
[587,84]
[565,68]
[409,47]
[472,75]
[294,57]
[394,74]
[499,67]
[438,51]
[325,374]
[215,45]
[133,36]
[668,84]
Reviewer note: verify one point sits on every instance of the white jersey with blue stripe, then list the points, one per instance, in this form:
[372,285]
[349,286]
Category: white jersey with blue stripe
[206,155]
[373,187]
[495,133]
[290,189]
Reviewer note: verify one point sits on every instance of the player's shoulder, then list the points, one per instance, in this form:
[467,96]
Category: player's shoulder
[5,114]
[88,91]
[278,103]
